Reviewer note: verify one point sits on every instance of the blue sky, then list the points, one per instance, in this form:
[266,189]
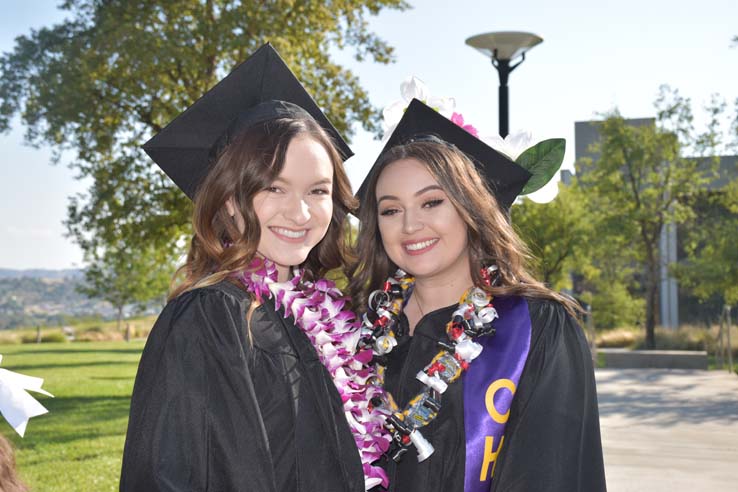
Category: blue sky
[595,56]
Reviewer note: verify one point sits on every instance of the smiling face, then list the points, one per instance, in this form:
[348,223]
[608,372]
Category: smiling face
[421,230]
[295,210]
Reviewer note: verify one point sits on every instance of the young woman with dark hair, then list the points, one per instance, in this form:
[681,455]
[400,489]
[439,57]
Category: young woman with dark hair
[242,384]
[241,207]
[489,377]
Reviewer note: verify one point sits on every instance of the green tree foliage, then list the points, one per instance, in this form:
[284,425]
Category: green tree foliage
[116,71]
[613,304]
[124,277]
[642,181]
[557,234]
[610,279]
[710,269]
[576,246]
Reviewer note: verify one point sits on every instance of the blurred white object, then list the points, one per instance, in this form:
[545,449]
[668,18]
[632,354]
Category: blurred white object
[16,405]
[413,88]
[545,194]
[513,145]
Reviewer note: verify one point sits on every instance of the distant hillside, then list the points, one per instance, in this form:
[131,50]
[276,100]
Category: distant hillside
[46,297]
[39,273]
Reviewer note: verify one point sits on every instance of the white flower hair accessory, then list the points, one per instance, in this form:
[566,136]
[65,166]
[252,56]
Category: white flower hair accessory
[512,146]
[414,88]
[542,159]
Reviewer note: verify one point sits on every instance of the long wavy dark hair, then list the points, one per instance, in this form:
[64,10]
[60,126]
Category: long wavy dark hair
[248,165]
[491,239]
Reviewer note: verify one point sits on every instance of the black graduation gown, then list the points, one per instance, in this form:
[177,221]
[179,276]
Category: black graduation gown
[214,411]
[552,438]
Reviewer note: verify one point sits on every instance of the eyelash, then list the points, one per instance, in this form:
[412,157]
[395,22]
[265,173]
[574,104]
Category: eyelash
[433,203]
[388,212]
[429,204]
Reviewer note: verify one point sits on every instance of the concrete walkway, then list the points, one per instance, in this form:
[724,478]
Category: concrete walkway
[669,430]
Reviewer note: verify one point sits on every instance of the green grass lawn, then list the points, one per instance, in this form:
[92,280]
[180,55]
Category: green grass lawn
[78,445]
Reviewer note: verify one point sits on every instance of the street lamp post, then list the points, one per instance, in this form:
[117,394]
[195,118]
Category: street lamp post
[503,48]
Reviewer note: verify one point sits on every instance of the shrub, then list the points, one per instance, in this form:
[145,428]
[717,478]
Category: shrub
[52,337]
[614,307]
[618,338]
[93,329]
[685,338]
[98,334]
[8,337]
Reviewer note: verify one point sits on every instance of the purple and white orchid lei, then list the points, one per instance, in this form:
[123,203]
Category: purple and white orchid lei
[317,310]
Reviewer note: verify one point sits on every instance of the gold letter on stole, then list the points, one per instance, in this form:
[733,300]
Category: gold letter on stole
[489,399]
[490,455]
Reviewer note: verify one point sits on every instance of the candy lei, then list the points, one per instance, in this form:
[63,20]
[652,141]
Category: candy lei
[317,310]
[472,318]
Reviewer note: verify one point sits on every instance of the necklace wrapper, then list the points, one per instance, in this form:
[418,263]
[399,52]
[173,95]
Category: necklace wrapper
[473,317]
[317,310]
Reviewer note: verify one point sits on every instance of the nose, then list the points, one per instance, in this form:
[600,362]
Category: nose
[297,210]
[410,222]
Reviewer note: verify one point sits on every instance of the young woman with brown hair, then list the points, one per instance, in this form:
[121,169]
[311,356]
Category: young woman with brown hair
[242,383]
[489,376]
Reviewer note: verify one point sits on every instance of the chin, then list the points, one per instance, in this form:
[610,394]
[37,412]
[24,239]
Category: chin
[418,267]
[291,258]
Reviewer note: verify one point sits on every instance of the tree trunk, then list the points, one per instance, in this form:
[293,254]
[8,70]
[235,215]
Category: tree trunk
[652,292]
[128,332]
[651,306]
[38,333]
[120,316]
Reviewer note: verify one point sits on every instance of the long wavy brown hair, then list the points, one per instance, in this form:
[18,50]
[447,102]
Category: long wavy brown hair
[491,239]
[249,164]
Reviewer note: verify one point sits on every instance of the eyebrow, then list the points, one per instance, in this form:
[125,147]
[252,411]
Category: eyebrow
[319,182]
[417,193]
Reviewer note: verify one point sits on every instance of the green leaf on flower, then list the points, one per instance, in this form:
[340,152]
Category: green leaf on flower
[542,160]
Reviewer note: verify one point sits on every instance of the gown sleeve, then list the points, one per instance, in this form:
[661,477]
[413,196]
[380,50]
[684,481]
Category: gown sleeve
[553,439]
[195,424]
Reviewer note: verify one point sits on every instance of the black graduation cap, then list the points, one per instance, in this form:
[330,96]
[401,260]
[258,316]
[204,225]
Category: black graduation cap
[505,178]
[260,89]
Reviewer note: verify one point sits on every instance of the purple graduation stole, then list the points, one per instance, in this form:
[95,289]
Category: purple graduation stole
[489,387]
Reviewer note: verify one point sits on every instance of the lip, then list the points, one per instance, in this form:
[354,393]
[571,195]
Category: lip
[416,252]
[289,239]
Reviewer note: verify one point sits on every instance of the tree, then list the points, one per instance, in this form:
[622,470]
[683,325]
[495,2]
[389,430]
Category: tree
[643,181]
[710,269]
[575,246]
[123,278]
[116,71]
[711,266]
[557,234]
[608,279]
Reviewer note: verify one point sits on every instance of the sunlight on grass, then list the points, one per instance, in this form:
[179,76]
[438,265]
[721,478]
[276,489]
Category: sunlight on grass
[78,445]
